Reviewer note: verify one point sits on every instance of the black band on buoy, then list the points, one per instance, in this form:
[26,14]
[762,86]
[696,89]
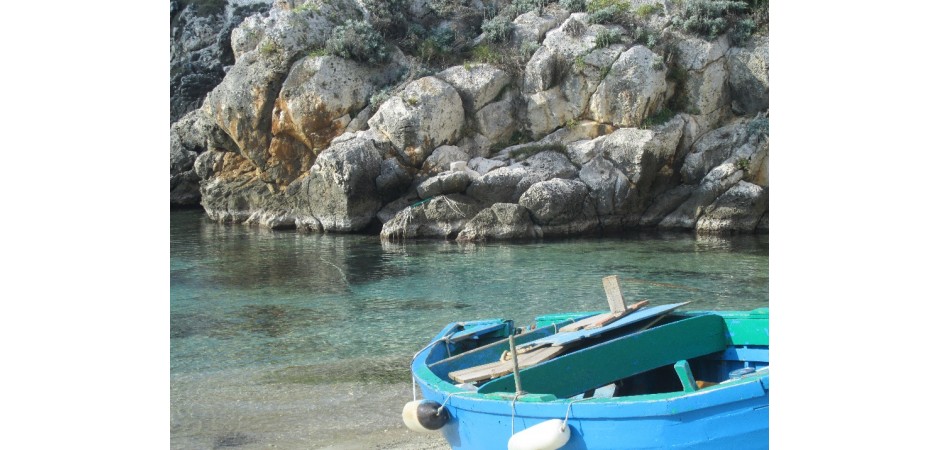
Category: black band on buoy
[428,416]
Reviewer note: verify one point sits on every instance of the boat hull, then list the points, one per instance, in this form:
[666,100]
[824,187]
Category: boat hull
[732,414]
[737,417]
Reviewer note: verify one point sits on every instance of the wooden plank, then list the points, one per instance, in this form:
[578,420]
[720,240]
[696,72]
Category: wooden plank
[642,314]
[500,368]
[614,296]
[486,353]
[685,376]
[602,319]
[626,356]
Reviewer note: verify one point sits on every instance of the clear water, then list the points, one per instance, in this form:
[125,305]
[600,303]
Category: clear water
[259,315]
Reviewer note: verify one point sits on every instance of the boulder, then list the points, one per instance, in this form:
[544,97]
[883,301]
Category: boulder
[502,221]
[318,93]
[341,189]
[531,27]
[738,210]
[561,207]
[717,147]
[495,121]
[634,88]
[717,182]
[499,186]
[441,159]
[444,183]
[477,84]
[428,113]
[441,217]
[548,110]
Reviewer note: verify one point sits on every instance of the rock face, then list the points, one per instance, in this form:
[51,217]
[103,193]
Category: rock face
[634,89]
[428,113]
[200,49]
[671,131]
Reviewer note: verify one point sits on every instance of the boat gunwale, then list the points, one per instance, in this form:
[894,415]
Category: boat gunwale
[648,405]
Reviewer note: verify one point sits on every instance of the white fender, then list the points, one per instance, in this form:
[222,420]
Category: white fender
[549,435]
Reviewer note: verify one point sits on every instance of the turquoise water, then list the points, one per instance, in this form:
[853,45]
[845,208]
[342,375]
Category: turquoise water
[259,311]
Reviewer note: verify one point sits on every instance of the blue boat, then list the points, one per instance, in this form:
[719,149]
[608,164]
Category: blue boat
[653,378]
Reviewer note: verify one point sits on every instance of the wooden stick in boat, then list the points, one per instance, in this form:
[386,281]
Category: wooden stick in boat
[614,296]
[515,365]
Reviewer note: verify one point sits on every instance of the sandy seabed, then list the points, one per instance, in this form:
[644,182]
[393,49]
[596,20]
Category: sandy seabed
[241,411]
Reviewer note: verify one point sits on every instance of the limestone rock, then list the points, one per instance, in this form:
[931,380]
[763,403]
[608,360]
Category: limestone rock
[548,110]
[717,182]
[749,78]
[717,147]
[341,187]
[498,186]
[531,27]
[608,185]
[394,178]
[200,50]
[441,217]
[738,210]
[665,203]
[495,121]
[444,183]
[706,85]
[477,84]
[441,159]
[428,113]
[581,152]
[634,88]
[484,165]
[642,155]
[502,221]
[561,207]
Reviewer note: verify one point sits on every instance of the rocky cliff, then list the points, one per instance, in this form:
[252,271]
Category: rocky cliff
[474,120]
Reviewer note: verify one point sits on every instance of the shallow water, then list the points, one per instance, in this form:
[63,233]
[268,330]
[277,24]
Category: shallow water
[282,338]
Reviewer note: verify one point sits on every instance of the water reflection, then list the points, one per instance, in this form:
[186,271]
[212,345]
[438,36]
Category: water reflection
[241,296]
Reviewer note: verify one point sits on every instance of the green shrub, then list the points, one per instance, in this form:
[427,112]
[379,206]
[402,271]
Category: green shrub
[379,97]
[388,16]
[712,18]
[664,115]
[357,40]
[267,47]
[497,29]
[607,37]
[528,48]
[619,5]
[484,53]
[760,126]
[573,5]
[647,10]
[609,11]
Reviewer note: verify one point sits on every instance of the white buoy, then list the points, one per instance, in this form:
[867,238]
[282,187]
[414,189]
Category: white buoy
[549,435]
[422,416]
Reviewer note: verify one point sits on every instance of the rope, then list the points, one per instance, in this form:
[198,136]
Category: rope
[568,412]
[513,420]
[441,409]
[414,383]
